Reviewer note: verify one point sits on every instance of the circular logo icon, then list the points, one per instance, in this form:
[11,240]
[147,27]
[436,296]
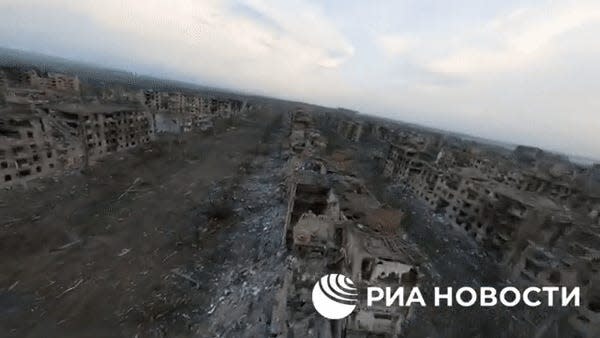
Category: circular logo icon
[334,296]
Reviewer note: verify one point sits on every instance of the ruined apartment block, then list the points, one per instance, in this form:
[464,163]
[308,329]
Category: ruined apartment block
[536,212]
[52,81]
[177,112]
[104,129]
[25,148]
[80,134]
[350,130]
[28,87]
[335,225]
[40,142]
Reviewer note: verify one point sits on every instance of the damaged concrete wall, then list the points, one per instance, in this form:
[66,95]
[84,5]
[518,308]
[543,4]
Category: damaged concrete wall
[530,208]
[26,151]
[44,141]
[335,225]
[45,128]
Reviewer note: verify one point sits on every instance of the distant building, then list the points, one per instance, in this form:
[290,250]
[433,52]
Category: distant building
[53,81]
[61,82]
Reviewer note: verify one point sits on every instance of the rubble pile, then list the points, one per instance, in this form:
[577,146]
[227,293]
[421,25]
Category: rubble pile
[537,213]
[520,215]
[335,225]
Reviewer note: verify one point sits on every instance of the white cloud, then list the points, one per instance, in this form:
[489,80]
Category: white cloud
[210,42]
[527,75]
[515,40]
[308,26]
[394,45]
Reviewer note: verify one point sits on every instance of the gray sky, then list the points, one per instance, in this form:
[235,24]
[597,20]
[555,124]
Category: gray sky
[518,71]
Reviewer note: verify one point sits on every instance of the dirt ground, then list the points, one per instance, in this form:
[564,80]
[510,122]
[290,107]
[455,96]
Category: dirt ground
[165,240]
[184,238]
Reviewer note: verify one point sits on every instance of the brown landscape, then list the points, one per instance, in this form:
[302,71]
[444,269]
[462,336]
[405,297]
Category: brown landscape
[149,212]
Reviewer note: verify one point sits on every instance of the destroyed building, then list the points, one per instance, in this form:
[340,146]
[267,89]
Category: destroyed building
[29,86]
[177,112]
[335,225]
[528,207]
[104,129]
[535,213]
[51,81]
[351,130]
[25,148]
[39,142]
[45,131]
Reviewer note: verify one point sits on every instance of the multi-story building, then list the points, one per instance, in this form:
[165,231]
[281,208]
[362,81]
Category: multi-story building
[37,143]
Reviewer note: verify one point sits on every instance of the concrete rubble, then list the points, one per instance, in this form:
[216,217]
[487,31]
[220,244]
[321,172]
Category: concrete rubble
[335,225]
[323,191]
